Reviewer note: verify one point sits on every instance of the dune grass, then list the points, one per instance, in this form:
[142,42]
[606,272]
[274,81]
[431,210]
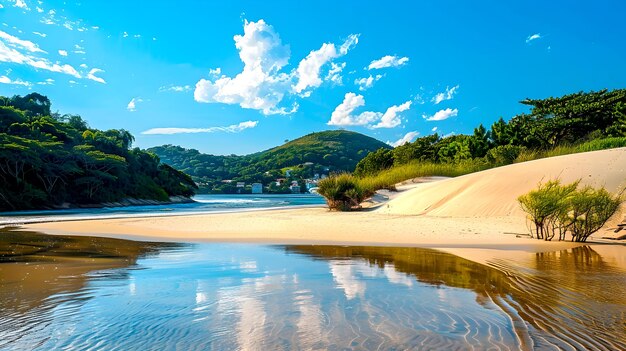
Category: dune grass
[593,145]
[388,178]
[345,191]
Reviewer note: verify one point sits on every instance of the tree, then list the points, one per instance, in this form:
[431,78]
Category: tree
[374,162]
[479,142]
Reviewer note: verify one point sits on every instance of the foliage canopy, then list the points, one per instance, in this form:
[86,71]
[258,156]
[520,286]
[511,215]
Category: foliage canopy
[47,159]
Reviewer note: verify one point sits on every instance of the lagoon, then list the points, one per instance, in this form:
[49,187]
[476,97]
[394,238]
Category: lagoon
[88,293]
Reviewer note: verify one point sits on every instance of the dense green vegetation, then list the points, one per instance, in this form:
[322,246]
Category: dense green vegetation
[555,126]
[557,210]
[316,153]
[47,159]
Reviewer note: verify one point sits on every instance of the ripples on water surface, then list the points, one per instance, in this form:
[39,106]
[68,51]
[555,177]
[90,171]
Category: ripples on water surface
[83,293]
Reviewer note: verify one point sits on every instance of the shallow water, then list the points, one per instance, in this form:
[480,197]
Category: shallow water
[84,293]
[202,204]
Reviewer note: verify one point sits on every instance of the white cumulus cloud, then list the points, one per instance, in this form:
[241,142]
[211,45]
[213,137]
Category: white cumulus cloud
[442,115]
[334,73]
[62,52]
[391,117]
[446,95]
[308,71]
[388,61]
[407,138]
[261,85]
[343,115]
[235,128]
[21,4]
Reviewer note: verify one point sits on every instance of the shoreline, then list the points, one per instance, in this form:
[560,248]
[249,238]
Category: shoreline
[482,240]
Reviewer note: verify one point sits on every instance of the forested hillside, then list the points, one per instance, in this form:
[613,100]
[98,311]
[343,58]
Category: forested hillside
[47,159]
[316,153]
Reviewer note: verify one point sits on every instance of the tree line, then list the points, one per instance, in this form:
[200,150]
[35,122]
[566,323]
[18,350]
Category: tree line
[48,159]
[551,122]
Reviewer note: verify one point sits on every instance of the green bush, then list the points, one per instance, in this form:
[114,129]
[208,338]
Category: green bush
[546,206]
[560,209]
[503,154]
[588,210]
[343,192]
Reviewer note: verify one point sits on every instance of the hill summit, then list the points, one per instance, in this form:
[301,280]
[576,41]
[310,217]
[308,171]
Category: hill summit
[314,154]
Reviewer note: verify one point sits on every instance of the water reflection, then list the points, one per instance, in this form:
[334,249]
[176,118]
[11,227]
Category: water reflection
[570,299]
[92,293]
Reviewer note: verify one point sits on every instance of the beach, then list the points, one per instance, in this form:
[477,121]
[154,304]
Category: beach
[476,211]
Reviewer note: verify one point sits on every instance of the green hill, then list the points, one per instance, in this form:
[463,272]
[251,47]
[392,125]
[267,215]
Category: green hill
[49,160]
[315,153]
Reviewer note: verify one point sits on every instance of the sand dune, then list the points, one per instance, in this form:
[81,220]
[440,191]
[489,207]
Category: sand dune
[494,192]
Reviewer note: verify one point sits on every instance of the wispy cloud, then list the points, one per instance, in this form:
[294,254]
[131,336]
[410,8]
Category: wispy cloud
[7,80]
[132,105]
[407,138]
[92,75]
[51,18]
[446,95]
[533,37]
[175,88]
[388,61]
[48,81]
[235,128]
[366,83]
[215,71]
[442,115]
[24,52]
[17,42]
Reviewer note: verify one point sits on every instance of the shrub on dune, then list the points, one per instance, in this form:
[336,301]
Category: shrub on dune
[560,209]
[343,192]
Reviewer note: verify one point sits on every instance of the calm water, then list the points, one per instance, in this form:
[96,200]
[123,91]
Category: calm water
[202,204]
[84,293]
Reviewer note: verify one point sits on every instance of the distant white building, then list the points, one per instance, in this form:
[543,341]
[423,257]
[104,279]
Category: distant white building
[241,184]
[257,188]
[295,189]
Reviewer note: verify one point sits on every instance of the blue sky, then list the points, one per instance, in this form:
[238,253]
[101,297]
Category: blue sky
[236,77]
